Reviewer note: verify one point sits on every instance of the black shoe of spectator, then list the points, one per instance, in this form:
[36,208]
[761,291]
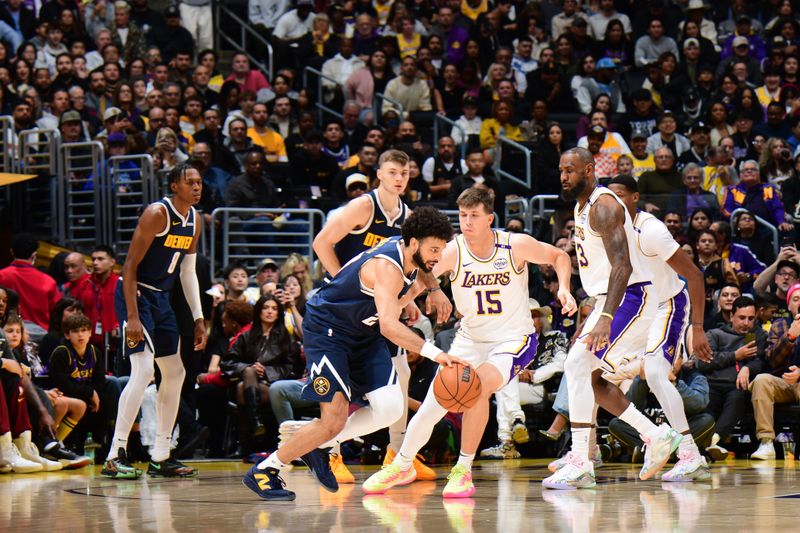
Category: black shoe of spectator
[137,453]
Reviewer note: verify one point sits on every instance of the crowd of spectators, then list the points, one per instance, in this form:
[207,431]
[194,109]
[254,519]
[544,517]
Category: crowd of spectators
[699,102]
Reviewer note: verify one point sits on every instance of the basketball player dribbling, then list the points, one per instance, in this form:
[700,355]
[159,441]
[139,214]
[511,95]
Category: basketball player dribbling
[489,279]
[364,223]
[614,272]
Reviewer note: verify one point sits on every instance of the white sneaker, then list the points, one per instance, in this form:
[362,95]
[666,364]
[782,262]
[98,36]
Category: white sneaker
[596,458]
[575,473]
[659,445]
[10,454]
[715,451]
[765,451]
[691,466]
[504,450]
[29,451]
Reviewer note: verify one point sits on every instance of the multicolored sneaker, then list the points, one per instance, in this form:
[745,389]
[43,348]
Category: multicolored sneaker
[387,477]
[424,472]
[658,445]
[340,470]
[120,467]
[459,483]
[504,450]
[318,462]
[170,468]
[519,432]
[575,473]
[268,484]
[691,466]
[596,457]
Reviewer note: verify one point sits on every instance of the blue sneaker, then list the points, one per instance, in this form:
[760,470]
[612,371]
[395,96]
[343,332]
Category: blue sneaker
[318,462]
[267,484]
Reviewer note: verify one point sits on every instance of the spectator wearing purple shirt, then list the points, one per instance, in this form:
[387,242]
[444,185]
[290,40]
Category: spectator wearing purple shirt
[454,37]
[759,198]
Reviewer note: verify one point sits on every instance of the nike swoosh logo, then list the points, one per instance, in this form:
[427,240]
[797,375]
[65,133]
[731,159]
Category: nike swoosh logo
[465,265]
[379,221]
[177,222]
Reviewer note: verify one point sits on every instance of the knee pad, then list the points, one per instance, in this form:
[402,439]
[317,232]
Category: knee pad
[387,403]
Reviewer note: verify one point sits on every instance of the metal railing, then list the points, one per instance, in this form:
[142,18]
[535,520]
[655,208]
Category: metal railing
[519,207]
[526,152]
[8,145]
[539,214]
[38,154]
[379,98]
[441,118]
[776,245]
[320,103]
[131,186]
[82,189]
[252,234]
[245,32]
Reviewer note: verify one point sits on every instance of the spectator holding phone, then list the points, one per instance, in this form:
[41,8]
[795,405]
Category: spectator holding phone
[774,282]
[739,350]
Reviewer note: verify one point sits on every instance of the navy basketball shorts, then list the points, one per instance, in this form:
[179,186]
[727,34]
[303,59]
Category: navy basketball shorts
[338,362]
[158,321]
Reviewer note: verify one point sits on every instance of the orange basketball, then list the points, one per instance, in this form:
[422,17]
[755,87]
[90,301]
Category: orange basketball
[457,387]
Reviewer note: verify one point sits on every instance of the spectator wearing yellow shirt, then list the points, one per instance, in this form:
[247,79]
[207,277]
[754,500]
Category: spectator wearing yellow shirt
[642,161]
[499,125]
[268,139]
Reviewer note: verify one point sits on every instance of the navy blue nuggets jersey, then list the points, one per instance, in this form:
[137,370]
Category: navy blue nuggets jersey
[373,234]
[161,264]
[347,306]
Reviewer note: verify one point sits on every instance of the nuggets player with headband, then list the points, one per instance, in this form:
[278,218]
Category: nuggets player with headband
[614,272]
[163,247]
[364,223]
[489,279]
[344,335]
[666,340]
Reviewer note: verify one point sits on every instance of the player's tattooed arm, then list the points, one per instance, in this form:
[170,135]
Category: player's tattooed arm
[607,217]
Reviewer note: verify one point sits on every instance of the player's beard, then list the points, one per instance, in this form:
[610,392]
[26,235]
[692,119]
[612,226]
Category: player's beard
[572,194]
[417,257]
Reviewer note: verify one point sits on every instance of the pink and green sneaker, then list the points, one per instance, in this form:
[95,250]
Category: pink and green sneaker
[459,483]
[387,477]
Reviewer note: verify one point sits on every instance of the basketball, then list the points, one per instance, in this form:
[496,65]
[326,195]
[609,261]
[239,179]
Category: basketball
[457,387]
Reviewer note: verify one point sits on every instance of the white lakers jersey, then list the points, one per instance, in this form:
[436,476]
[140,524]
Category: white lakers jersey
[657,245]
[595,267]
[491,294]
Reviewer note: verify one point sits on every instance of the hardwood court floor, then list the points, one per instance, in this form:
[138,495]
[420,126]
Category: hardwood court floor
[741,496]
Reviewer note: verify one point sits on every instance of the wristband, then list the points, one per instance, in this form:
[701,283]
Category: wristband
[434,289]
[607,315]
[430,351]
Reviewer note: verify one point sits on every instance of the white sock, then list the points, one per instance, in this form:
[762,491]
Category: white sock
[465,460]
[580,442]
[167,403]
[419,430]
[336,449]
[687,443]
[637,420]
[272,462]
[130,401]
[397,430]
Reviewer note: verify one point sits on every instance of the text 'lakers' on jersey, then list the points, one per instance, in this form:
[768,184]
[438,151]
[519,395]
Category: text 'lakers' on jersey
[161,264]
[491,293]
[656,244]
[593,263]
[375,233]
[347,305]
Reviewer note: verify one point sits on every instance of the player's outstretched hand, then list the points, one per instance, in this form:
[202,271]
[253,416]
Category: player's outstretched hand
[446,359]
[597,339]
[568,305]
[200,335]
[437,300]
[700,347]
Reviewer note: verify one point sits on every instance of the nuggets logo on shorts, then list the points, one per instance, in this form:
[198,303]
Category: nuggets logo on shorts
[321,386]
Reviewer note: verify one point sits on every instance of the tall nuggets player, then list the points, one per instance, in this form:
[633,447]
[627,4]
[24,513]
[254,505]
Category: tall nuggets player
[365,223]
[489,279]
[345,330]
[163,247]
[665,342]
[612,271]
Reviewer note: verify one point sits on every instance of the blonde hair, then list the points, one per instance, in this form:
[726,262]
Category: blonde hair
[287,268]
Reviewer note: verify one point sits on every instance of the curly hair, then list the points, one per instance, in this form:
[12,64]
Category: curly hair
[239,312]
[426,222]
